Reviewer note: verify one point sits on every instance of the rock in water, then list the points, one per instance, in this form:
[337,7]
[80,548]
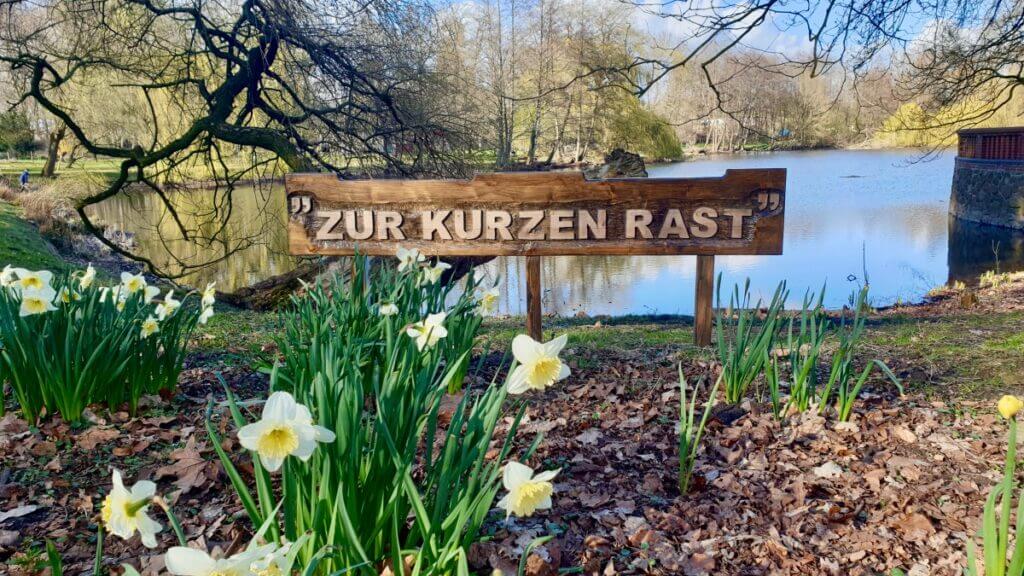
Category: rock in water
[620,164]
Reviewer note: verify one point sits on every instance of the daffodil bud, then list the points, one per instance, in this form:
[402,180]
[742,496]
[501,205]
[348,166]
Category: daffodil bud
[1009,406]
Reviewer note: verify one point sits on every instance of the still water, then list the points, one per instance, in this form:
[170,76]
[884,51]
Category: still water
[851,217]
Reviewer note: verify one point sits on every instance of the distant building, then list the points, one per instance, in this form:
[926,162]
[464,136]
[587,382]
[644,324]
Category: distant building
[988,177]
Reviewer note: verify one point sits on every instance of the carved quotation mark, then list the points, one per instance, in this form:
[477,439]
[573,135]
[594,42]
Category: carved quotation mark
[300,204]
[767,200]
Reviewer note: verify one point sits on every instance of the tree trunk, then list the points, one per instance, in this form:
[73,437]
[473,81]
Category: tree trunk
[53,150]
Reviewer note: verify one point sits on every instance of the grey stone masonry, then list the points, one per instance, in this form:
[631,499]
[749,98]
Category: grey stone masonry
[988,191]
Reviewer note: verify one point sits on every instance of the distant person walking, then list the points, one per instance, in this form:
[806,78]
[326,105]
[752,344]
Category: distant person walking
[24,180]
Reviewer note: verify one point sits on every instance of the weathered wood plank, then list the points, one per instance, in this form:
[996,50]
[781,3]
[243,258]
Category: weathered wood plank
[539,214]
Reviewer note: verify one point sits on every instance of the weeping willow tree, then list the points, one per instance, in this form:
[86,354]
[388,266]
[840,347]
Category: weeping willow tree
[225,90]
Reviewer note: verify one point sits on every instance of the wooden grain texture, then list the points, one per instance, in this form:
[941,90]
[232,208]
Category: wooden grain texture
[519,193]
[703,300]
[534,323]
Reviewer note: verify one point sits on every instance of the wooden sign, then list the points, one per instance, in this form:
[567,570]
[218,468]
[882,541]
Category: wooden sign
[542,214]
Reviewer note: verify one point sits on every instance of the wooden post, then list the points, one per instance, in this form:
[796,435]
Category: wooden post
[702,312]
[533,307]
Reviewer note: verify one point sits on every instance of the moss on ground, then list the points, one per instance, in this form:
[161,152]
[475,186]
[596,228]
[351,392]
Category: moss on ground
[21,244]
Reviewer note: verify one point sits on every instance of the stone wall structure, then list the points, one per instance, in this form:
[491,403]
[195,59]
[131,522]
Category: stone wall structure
[988,177]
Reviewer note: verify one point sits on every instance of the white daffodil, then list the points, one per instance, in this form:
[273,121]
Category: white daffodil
[37,300]
[205,315]
[539,364]
[275,563]
[87,278]
[209,295]
[150,326]
[168,307]
[184,561]
[65,295]
[285,429]
[389,309]
[133,282]
[433,274]
[28,279]
[488,302]
[526,493]
[408,258]
[149,293]
[7,276]
[427,332]
[124,511]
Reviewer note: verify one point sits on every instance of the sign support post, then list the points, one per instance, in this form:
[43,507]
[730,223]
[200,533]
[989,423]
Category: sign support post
[534,324]
[702,311]
[536,214]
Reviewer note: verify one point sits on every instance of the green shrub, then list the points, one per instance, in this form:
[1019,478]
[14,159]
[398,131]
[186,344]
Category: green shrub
[67,342]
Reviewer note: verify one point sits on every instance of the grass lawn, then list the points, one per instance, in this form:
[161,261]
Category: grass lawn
[21,245]
[961,354]
[104,167]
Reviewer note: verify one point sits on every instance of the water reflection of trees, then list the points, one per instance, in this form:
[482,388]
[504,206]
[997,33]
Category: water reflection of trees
[253,235]
[976,248]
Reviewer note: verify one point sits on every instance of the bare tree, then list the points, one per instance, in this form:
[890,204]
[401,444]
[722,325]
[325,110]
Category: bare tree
[941,52]
[311,84]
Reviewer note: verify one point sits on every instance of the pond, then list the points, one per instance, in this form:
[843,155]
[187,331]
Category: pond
[851,217]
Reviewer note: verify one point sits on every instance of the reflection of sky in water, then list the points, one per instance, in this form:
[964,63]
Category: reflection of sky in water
[841,205]
[847,212]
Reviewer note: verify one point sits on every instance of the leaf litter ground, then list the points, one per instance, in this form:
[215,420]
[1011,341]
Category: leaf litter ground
[900,488]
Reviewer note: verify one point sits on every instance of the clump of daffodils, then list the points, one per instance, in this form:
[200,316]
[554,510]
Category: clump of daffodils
[285,429]
[429,331]
[539,364]
[124,511]
[527,493]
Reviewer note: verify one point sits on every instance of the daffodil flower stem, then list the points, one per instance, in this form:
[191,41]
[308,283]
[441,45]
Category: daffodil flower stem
[175,524]
[1011,463]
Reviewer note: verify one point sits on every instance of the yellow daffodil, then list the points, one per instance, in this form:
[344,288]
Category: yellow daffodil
[433,274]
[124,511]
[408,258]
[488,302]
[37,301]
[1009,406]
[526,493]
[168,307]
[539,364]
[7,276]
[209,295]
[65,295]
[184,561]
[87,278]
[388,309]
[133,282]
[205,315]
[28,279]
[429,331]
[285,429]
[150,326]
